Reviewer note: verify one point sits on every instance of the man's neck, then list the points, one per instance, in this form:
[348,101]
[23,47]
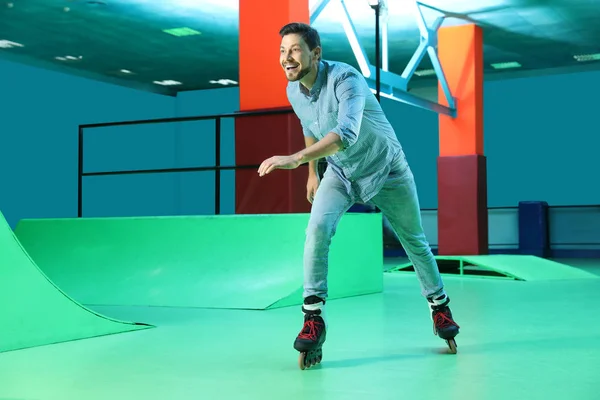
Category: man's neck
[309,80]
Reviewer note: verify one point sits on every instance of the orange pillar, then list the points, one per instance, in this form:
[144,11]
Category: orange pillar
[263,86]
[462,180]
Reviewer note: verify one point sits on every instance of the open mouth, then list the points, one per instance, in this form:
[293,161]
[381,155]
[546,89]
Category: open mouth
[291,67]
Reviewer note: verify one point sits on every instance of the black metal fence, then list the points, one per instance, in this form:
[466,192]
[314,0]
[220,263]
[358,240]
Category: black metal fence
[217,167]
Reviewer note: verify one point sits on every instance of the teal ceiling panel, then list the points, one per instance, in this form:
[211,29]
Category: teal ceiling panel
[144,43]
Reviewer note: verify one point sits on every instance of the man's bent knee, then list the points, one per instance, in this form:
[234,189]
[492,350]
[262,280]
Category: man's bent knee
[322,227]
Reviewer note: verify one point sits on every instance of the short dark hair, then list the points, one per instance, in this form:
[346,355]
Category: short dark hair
[307,32]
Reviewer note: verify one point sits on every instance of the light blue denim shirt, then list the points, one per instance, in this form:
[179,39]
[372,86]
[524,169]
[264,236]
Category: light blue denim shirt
[340,101]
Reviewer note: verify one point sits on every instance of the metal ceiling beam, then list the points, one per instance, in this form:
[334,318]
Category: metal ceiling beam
[394,86]
[315,11]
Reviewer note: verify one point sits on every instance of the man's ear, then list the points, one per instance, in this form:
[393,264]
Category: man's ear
[318,53]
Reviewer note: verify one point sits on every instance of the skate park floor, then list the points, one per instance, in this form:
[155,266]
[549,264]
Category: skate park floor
[527,340]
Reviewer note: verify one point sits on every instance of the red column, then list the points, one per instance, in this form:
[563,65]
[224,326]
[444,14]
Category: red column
[462,180]
[262,86]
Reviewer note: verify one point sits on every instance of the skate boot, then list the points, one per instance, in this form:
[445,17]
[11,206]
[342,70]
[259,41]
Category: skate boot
[309,341]
[443,324]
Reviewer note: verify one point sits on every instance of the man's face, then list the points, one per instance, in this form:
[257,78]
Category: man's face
[295,57]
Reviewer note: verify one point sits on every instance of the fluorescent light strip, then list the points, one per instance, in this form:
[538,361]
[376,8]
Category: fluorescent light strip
[182,32]
[587,57]
[223,82]
[167,83]
[425,72]
[506,65]
[7,44]
[68,58]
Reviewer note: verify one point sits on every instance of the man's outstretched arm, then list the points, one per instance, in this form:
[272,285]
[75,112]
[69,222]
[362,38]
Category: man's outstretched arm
[330,144]
[345,134]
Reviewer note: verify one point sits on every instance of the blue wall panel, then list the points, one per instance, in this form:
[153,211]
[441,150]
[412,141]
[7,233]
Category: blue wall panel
[540,141]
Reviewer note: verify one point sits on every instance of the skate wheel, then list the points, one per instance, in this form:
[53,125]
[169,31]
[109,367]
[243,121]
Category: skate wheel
[308,359]
[301,360]
[452,345]
[304,361]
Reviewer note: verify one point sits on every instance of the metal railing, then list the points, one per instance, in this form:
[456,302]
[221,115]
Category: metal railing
[217,167]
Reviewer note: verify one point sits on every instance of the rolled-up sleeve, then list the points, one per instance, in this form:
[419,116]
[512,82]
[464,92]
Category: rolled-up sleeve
[351,99]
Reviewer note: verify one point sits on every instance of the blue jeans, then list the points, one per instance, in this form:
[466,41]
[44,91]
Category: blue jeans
[399,203]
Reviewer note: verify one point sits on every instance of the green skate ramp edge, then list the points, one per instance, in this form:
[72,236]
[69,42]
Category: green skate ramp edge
[519,267]
[224,261]
[34,311]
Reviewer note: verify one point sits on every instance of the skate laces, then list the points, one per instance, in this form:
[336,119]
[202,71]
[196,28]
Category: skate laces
[310,329]
[441,320]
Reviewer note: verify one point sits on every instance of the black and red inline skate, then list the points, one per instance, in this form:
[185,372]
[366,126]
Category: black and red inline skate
[443,324]
[309,341]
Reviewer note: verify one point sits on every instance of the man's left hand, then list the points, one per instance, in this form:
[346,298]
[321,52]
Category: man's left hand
[278,162]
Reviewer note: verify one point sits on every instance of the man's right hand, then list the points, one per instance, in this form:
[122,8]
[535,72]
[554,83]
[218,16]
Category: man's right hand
[311,187]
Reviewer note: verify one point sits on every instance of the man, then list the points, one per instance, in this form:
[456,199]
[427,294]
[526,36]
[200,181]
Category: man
[343,121]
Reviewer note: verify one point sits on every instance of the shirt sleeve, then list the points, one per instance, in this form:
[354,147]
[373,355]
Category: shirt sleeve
[351,100]
[306,131]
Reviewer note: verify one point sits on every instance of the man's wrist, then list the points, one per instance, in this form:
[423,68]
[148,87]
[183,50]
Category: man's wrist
[300,157]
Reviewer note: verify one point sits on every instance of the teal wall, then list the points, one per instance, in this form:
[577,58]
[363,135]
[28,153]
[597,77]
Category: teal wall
[540,139]
[38,147]
[39,115]
[196,141]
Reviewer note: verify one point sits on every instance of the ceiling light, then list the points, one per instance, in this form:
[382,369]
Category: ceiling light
[224,82]
[167,83]
[506,65]
[68,58]
[7,44]
[181,32]
[122,72]
[425,72]
[587,57]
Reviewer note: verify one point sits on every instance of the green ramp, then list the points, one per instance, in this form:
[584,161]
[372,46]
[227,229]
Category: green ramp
[518,267]
[34,312]
[224,261]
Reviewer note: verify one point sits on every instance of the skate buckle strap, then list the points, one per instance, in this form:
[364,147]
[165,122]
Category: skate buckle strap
[311,311]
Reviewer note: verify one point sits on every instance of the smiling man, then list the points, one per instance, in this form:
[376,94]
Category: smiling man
[343,121]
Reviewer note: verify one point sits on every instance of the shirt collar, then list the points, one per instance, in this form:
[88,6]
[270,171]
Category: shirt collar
[319,81]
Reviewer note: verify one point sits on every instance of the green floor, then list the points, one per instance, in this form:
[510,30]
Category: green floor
[534,338]
[519,340]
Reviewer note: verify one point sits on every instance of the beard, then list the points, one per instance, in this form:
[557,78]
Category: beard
[300,75]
